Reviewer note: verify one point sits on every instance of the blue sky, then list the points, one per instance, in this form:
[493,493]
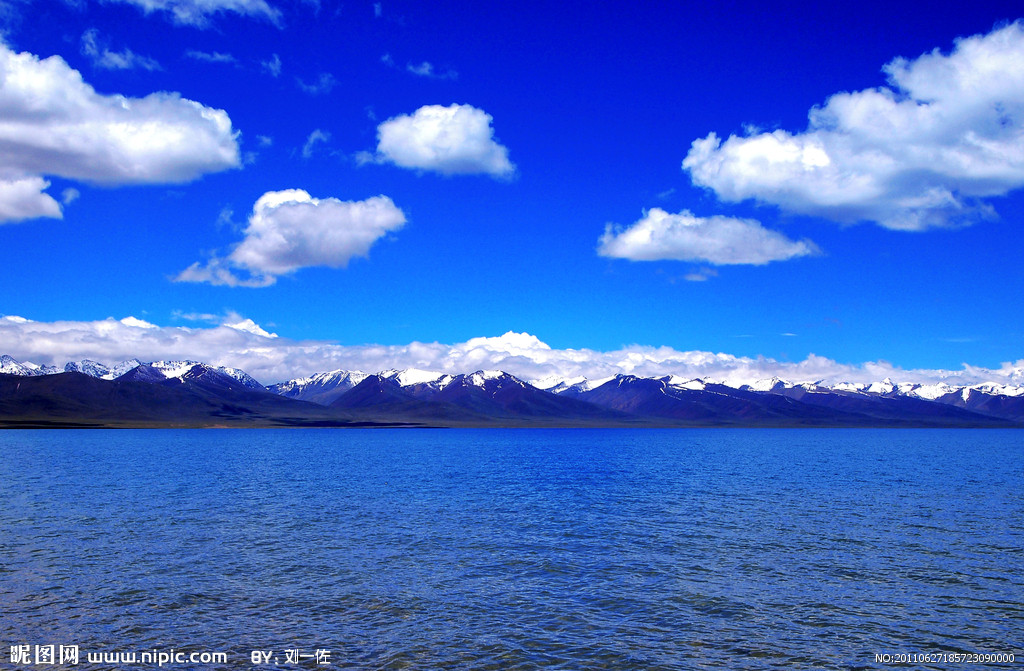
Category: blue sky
[307,187]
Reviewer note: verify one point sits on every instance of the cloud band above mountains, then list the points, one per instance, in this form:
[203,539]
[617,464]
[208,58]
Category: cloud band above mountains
[240,343]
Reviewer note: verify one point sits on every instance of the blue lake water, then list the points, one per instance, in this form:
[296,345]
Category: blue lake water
[515,549]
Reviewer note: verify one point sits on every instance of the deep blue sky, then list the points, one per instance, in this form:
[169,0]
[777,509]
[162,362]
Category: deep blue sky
[597,105]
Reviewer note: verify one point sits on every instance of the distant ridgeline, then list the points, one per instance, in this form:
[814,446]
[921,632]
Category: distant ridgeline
[189,393]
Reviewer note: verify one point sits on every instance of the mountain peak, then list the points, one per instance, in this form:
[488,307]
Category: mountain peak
[12,366]
[408,377]
[87,366]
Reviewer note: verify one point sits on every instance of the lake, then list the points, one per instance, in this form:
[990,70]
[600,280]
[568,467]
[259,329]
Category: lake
[512,549]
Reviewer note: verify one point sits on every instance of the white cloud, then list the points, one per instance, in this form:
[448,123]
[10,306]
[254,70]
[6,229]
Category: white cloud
[249,326]
[700,275]
[289,230]
[198,12]
[219,272]
[926,151]
[211,57]
[138,323]
[198,316]
[24,198]
[273,66]
[231,319]
[270,359]
[457,139]
[324,84]
[53,123]
[684,237]
[315,137]
[103,57]
[69,195]
[426,69]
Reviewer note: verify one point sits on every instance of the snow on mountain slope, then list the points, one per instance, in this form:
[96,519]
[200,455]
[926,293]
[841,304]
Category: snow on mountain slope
[850,386]
[571,386]
[10,366]
[88,367]
[241,376]
[409,377]
[323,388]
[40,370]
[99,370]
[767,384]
[886,386]
[481,377]
[999,389]
[683,382]
[183,370]
[928,392]
[120,369]
[174,369]
[556,383]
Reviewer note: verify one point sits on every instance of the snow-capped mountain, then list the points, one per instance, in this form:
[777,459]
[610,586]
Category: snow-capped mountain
[322,388]
[485,396]
[885,399]
[174,369]
[99,370]
[325,388]
[168,369]
[10,366]
[488,396]
[768,384]
[196,371]
[122,368]
[414,377]
[242,377]
[684,383]
[573,386]
[88,367]
[427,384]
[557,383]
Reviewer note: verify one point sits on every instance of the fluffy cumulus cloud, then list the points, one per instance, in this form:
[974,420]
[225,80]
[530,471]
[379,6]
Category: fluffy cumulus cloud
[289,230]
[53,123]
[198,12]
[684,237]
[241,343]
[25,198]
[453,140]
[927,150]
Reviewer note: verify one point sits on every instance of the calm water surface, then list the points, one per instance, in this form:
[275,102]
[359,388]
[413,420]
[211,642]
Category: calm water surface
[515,549]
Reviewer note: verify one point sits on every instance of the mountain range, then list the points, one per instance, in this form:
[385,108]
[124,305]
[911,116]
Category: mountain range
[191,393]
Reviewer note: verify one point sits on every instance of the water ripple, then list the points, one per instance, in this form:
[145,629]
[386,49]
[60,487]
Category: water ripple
[516,549]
